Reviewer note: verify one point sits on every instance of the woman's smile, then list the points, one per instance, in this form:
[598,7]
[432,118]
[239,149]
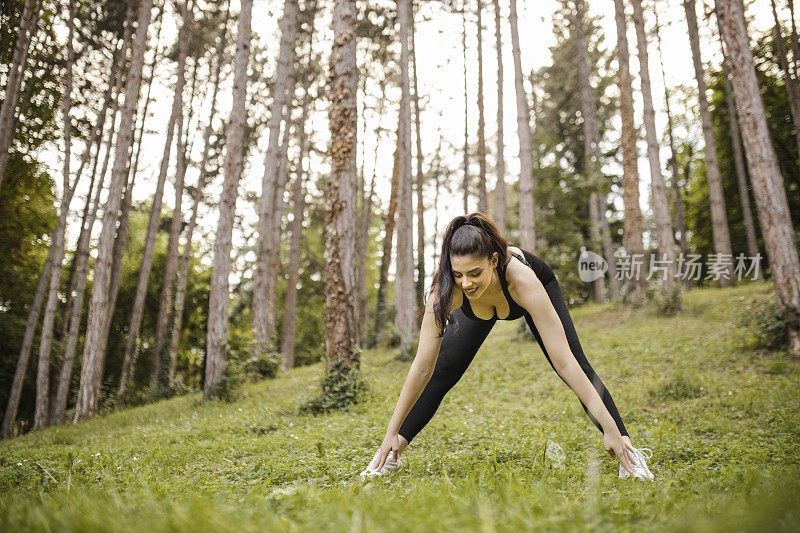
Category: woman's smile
[471,292]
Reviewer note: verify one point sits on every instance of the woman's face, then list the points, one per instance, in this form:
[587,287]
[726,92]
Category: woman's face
[473,274]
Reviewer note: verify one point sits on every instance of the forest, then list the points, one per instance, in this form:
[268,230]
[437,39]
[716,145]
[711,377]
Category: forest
[200,198]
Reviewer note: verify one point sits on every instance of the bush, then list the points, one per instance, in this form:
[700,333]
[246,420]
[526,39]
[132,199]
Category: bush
[341,387]
[228,386]
[262,366]
[763,323]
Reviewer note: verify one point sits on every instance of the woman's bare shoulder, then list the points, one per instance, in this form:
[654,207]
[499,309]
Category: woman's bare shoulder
[518,275]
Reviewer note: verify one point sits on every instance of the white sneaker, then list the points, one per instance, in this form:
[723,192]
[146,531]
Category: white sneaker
[389,466]
[640,469]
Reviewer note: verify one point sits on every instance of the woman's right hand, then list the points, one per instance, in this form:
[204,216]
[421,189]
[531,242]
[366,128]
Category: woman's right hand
[391,444]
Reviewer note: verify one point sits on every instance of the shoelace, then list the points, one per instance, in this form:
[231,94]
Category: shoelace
[640,451]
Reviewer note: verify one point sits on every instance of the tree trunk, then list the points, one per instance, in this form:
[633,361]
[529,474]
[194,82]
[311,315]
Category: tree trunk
[88,393]
[296,245]
[340,342]
[716,196]
[483,204]
[795,43]
[162,372]
[404,277]
[634,247]
[658,191]
[263,321]
[28,19]
[527,225]
[145,268]
[591,137]
[500,188]
[180,293]
[386,258]
[216,357]
[738,158]
[466,106]
[673,160]
[792,89]
[420,284]
[767,181]
[41,416]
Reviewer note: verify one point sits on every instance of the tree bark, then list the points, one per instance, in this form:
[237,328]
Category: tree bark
[658,190]
[738,158]
[500,187]
[264,321]
[217,337]
[404,277]
[767,181]
[630,174]
[716,196]
[527,225]
[340,342]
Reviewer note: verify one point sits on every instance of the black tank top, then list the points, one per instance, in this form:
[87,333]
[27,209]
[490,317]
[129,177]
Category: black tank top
[515,310]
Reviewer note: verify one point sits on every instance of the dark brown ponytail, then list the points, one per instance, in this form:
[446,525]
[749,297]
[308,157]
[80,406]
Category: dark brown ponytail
[474,234]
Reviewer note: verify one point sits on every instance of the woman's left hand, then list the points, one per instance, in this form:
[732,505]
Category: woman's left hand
[620,448]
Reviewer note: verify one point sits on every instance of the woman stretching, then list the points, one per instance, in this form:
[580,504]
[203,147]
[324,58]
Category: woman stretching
[500,282]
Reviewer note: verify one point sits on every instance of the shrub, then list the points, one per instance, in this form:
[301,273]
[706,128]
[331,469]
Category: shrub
[664,306]
[341,387]
[763,323]
[228,386]
[262,366]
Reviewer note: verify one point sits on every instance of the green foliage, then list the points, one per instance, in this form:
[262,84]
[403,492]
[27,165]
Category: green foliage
[342,386]
[763,323]
[263,366]
[228,385]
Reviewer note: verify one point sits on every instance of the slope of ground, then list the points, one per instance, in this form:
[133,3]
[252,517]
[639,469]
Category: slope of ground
[723,422]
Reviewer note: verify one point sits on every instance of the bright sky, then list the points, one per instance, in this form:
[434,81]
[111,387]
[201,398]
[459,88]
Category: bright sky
[440,70]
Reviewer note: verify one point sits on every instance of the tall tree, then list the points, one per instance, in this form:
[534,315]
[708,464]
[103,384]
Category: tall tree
[658,190]
[180,292]
[673,160]
[465,185]
[738,158]
[420,284]
[91,369]
[591,138]
[27,28]
[765,175]
[154,222]
[527,225]
[343,358]
[404,277]
[500,188]
[716,197]
[792,89]
[630,174]
[483,204]
[263,319]
[217,337]
[41,417]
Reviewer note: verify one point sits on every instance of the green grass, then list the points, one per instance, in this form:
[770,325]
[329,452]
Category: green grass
[723,421]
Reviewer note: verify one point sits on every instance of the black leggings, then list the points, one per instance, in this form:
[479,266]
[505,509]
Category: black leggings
[459,348]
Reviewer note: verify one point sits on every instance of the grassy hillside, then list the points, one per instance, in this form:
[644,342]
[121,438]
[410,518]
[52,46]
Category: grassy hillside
[723,422]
